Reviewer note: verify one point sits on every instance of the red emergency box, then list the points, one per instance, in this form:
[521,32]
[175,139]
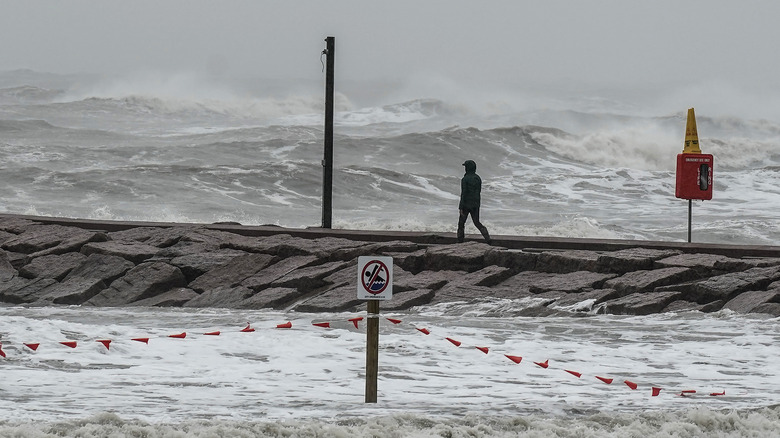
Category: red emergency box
[694,176]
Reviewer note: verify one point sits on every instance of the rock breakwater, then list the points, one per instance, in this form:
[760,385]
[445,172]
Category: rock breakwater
[198,266]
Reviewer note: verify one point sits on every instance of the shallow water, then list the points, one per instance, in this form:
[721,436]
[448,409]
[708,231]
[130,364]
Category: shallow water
[309,378]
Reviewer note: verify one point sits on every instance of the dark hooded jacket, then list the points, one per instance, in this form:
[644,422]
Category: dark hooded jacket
[470,187]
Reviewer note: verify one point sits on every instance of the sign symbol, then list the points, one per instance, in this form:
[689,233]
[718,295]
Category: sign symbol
[374,277]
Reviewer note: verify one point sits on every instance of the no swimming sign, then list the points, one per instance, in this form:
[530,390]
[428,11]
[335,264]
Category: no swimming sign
[375,278]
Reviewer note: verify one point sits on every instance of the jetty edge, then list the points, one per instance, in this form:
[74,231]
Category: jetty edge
[48,261]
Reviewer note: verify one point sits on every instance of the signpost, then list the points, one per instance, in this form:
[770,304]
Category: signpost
[374,284]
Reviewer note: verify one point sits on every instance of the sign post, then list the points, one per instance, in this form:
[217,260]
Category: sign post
[375,283]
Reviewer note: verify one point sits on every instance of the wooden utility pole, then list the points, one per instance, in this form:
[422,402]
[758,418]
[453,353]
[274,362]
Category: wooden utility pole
[327,162]
[372,350]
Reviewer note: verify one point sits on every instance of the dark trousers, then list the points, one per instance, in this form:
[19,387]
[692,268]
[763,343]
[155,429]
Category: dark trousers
[464,214]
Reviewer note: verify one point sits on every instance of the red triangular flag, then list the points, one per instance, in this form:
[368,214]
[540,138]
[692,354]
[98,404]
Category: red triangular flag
[105,342]
[715,394]
[656,391]
[544,364]
[212,333]
[394,321]
[144,340]
[286,325]
[424,331]
[321,324]
[355,320]
[181,335]
[574,373]
[605,380]
[454,342]
[482,349]
[71,344]
[630,384]
[515,359]
[32,347]
[2,353]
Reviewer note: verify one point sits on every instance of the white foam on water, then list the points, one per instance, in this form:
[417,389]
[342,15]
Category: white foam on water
[310,380]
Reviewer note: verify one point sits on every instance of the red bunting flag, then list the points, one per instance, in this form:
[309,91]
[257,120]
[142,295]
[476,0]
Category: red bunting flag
[454,342]
[321,324]
[656,391]
[544,364]
[515,359]
[631,384]
[394,321]
[212,333]
[181,335]
[355,320]
[71,344]
[144,340]
[32,347]
[286,325]
[574,373]
[482,349]
[605,380]
[424,331]
[105,342]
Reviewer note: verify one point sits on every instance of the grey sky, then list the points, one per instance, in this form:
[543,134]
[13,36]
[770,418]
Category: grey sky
[487,44]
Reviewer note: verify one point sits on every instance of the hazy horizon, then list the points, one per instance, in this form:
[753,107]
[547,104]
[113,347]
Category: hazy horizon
[665,56]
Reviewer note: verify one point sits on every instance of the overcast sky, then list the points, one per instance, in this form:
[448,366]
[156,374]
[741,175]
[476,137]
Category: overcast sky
[490,44]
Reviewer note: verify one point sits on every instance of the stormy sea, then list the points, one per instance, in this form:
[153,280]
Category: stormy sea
[176,150]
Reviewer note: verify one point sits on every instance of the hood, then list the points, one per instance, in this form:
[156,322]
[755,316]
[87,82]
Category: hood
[471,166]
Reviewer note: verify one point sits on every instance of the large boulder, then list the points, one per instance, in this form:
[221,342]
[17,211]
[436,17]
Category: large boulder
[20,290]
[747,302]
[563,262]
[74,291]
[173,298]
[273,298]
[334,300]
[52,266]
[41,240]
[405,281]
[264,278]
[144,281]
[152,236]
[308,278]
[7,270]
[134,252]
[570,283]
[469,257]
[105,268]
[408,299]
[633,259]
[641,303]
[196,264]
[708,265]
[639,281]
[232,273]
[230,297]
[514,259]
[687,306]
[726,286]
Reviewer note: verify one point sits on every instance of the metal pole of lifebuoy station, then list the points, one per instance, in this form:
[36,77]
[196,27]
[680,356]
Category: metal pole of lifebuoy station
[327,162]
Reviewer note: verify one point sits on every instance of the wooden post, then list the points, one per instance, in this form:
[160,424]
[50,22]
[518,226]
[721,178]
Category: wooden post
[372,350]
[327,162]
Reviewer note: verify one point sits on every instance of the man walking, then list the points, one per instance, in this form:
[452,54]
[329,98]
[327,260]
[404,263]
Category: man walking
[470,188]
